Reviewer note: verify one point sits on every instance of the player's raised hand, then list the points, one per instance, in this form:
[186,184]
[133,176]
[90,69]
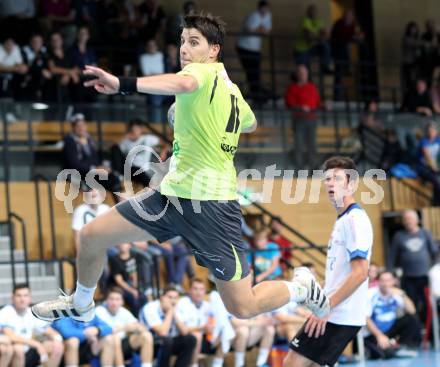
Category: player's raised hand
[104,82]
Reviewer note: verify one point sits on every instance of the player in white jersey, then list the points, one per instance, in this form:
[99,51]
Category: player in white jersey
[321,341]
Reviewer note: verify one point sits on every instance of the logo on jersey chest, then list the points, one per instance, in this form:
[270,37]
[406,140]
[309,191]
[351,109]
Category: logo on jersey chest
[228,148]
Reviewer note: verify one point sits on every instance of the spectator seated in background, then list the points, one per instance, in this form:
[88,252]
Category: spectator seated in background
[67,78]
[169,334]
[303,97]
[133,336]
[313,41]
[259,330]
[36,80]
[80,55]
[283,243]
[392,319]
[80,154]
[413,250]
[417,100]
[34,342]
[142,160]
[85,341]
[124,274]
[197,316]
[223,332]
[428,160]
[84,213]
[12,69]
[289,319]
[266,258]
[370,118]
[394,159]
[152,62]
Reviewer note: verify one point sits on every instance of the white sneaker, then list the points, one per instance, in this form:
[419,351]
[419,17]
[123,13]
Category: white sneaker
[63,307]
[316,300]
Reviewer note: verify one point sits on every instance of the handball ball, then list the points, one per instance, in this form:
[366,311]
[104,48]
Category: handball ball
[170,115]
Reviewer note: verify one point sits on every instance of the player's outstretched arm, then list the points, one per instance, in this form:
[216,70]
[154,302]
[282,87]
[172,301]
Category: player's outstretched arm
[165,84]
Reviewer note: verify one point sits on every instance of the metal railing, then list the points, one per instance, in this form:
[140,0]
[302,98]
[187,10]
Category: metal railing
[37,179]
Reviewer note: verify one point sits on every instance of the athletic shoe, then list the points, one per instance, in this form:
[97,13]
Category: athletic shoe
[63,307]
[316,300]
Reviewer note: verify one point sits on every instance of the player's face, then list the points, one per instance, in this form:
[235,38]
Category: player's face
[337,185]
[114,302]
[21,299]
[386,283]
[197,292]
[194,47]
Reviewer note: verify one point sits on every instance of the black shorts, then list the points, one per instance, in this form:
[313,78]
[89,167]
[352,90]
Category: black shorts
[127,350]
[212,229]
[32,358]
[326,349]
[85,353]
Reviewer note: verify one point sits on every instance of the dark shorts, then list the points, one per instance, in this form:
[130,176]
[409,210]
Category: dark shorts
[212,229]
[326,349]
[85,353]
[127,350]
[32,358]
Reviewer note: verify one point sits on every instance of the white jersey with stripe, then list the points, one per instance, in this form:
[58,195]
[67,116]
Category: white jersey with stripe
[351,238]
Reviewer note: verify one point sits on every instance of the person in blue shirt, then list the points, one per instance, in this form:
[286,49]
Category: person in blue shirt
[428,159]
[266,261]
[392,319]
[86,340]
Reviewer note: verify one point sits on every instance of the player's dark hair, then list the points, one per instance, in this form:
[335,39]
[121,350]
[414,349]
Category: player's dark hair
[169,288]
[262,4]
[19,286]
[117,290]
[382,272]
[133,123]
[196,280]
[340,162]
[210,26]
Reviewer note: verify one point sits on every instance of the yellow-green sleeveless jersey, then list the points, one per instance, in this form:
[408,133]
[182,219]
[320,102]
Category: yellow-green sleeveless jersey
[207,126]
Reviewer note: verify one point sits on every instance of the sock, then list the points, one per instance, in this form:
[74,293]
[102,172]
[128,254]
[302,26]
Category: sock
[122,365]
[71,365]
[83,296]
[298,293]
[147,364]
[216,362]
[263,353]
[239,359]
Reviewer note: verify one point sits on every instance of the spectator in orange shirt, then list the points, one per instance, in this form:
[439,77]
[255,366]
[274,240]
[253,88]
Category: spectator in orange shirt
[303,97]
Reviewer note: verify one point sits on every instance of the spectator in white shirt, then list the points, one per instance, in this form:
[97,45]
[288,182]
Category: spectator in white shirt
[34,341]
[141,161]
[197,315]
[135,338]
[12,68]
[84,213]
[170,334]
[152,63]
[258,330]
[257,24]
